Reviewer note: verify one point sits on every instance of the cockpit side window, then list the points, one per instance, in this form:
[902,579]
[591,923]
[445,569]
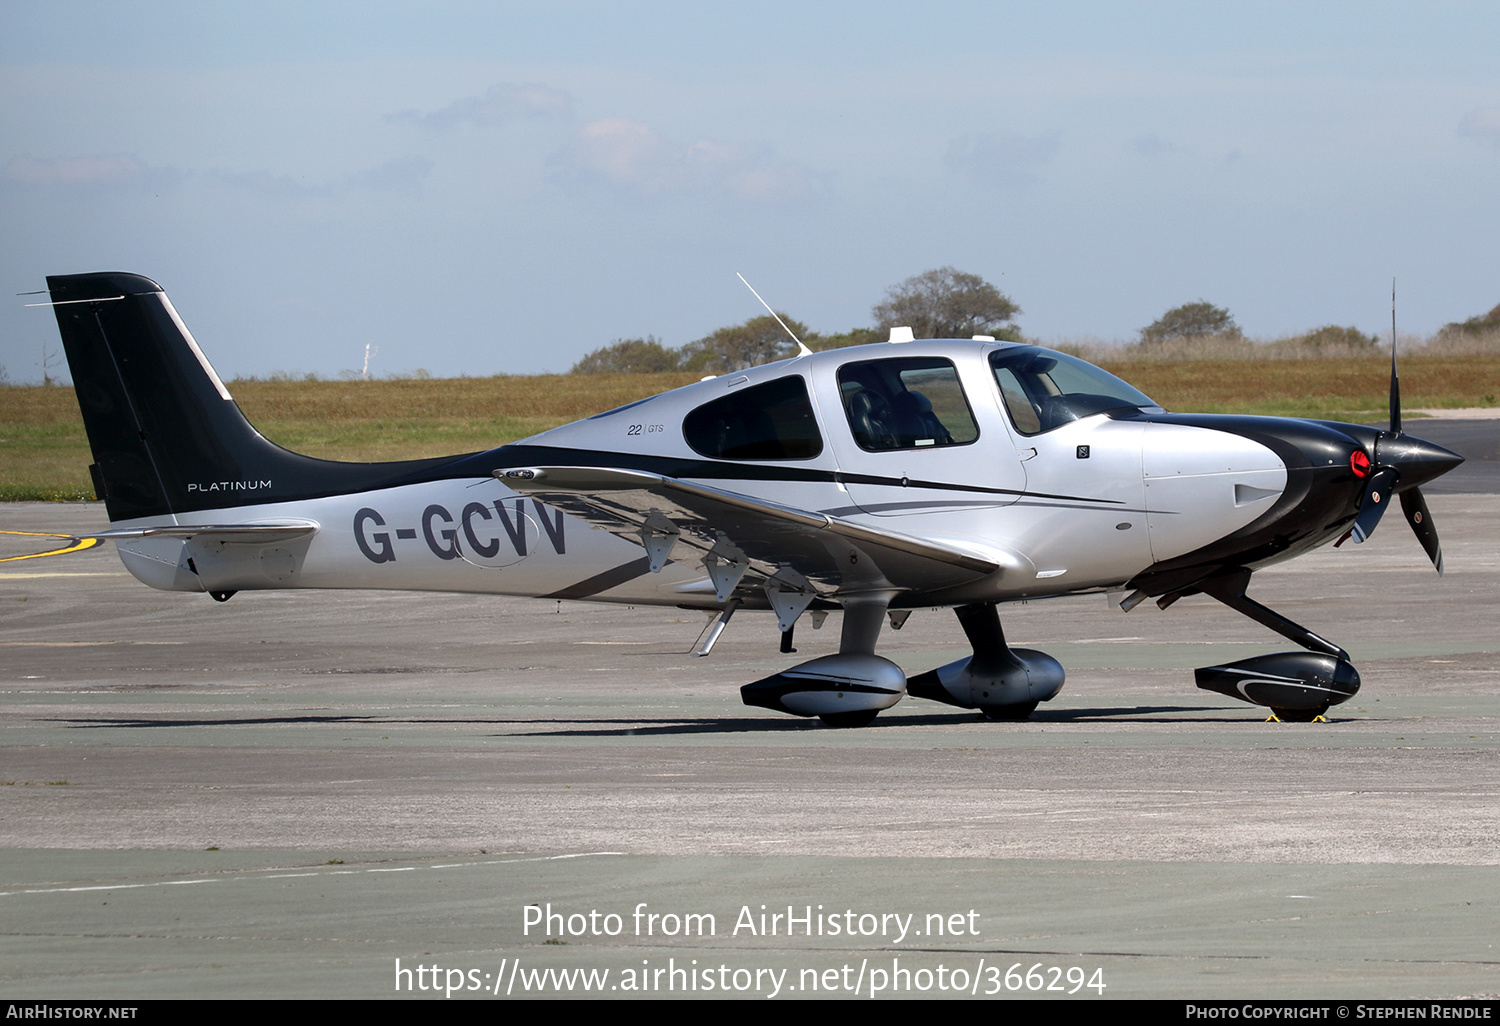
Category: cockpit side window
[906,403]
[774,421]
[1044,390]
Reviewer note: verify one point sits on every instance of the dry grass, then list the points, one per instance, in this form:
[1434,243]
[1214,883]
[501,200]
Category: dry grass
[1219,349]
[44,453]
[1328,389]
[410,419]
[1464,343]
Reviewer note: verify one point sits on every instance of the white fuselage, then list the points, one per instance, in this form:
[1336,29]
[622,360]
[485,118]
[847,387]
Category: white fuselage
[1086,505]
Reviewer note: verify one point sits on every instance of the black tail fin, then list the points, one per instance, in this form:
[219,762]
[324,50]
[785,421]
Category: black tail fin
[165,434]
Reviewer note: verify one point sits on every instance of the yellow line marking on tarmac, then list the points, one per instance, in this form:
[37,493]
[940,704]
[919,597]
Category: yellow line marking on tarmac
[75,544]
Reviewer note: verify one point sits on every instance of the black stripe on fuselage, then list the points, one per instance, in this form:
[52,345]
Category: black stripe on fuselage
[484,463]
[301,478]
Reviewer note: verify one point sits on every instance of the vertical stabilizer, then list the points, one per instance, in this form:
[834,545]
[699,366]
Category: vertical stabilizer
[165,434]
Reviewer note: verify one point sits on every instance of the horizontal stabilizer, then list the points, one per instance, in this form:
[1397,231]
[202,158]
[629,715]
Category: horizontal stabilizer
[263,533]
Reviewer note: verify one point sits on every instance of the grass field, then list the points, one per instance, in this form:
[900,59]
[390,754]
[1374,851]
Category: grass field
[44,454]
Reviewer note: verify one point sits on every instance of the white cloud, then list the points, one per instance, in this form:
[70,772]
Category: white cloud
[500,103]
[404,174]
[104,169]
[1482,123]
[635,157]
[622,152]
[127,171]
[264,183]
[1002,158]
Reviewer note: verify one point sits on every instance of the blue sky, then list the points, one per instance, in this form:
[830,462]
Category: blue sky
[477,188]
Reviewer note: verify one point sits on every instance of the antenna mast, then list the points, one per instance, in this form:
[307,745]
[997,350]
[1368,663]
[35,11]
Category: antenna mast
[802,350]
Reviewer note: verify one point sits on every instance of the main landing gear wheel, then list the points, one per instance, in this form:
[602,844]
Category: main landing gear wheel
[1019,711]
[862,718]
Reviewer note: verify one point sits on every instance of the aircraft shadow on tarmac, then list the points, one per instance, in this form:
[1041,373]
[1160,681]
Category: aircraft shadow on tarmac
[626,727]
[258,721]
[646,727]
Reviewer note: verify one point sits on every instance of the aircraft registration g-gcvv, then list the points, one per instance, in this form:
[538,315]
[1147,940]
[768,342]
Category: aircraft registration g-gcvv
[961,473]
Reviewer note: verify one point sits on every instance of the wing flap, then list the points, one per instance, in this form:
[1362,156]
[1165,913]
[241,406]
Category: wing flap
[834,555]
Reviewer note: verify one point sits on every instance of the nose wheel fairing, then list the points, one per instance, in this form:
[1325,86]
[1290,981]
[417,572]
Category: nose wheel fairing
[1295,685]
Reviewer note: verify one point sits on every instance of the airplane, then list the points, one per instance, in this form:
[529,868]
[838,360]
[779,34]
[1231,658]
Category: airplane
[874,480]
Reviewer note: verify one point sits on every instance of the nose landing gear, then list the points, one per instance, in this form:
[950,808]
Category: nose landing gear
[1298,687]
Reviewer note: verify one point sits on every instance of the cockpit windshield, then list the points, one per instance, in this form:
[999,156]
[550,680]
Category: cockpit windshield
[1044,389]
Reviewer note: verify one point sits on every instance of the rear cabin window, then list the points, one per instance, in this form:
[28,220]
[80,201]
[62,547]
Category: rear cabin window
[908,403]
[773,421]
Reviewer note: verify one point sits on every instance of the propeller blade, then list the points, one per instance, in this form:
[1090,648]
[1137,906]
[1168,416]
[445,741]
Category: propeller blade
[1415,508]
[1395,396]
[1395,382]
[1377,498]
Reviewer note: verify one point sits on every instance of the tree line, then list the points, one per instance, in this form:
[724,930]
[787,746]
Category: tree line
[941,303]
[948,303]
